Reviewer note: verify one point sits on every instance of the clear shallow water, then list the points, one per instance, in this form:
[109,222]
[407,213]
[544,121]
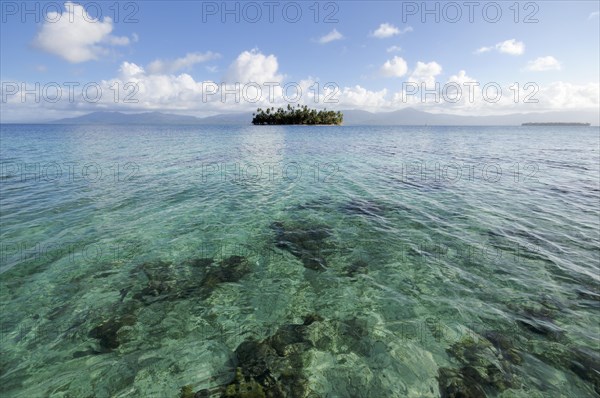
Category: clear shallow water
[322,261]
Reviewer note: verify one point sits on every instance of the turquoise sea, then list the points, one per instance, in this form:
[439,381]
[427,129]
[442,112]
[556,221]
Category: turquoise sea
[292,261]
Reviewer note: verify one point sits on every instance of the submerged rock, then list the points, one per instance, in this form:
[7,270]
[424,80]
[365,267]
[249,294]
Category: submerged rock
[504,346]
[357,267]
[243,387]
[194,278]
[187,392]
[482,366]
[582,361]
[355,333]
[310,243]
[454,383]
[109,333]
[274,364]
[230,269]
[273,367]
[539,320]
[586,364]
[200,262]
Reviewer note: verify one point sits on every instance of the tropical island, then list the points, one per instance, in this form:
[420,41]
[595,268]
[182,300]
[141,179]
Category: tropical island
[298,115]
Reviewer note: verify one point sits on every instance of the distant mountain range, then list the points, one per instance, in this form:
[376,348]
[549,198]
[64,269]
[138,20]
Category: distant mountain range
[155,118]
[407,117]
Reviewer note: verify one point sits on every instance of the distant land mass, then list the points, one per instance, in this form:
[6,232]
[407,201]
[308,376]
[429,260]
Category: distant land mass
[555,124]
[403,117]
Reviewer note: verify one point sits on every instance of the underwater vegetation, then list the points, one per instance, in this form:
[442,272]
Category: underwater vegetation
[484,364]
[309,243]
[268,368]
[162,282]
[487,364]
[195,278]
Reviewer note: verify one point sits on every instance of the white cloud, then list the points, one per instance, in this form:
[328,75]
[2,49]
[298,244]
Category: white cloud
[360,98]
[425,73]
[594,14]
[129,69]
[386,30]
[393,49]
[483,50]
[75,36]
[457,92]
[512,47]
[544,64]
[183,95]
[395,67]
[461,78]
[118,40]
[331,36]
[564,95]
[184,63]
[253,66]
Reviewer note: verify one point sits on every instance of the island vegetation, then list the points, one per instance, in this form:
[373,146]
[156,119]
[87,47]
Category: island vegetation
[296,115]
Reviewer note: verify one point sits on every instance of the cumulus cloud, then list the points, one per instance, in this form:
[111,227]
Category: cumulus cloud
[184,63]
[181,93]
[75,36]
[461,78]
[253,66]
[541,64]
[564,95]
[386,30]
[393,49]
[512,47]
[395,67]
[594,14]
[361,98]
[184,95]
[331,36]
[425,73]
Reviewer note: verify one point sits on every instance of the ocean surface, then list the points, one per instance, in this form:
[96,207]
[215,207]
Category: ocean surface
[146,261]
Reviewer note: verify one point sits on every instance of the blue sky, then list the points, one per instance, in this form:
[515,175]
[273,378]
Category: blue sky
[367,49]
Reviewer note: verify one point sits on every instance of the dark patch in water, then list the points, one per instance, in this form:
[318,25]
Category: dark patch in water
[357,267]
[200,262]
[589,294]
[108,332]
[316,204]
[309,243]
[275,363]
[582,361]
[456,383]
[586,364]
[504,346]
[364,207]
[195,278]
[356,333]
[539,319]
[482,366]
[230,269]
[271,367]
